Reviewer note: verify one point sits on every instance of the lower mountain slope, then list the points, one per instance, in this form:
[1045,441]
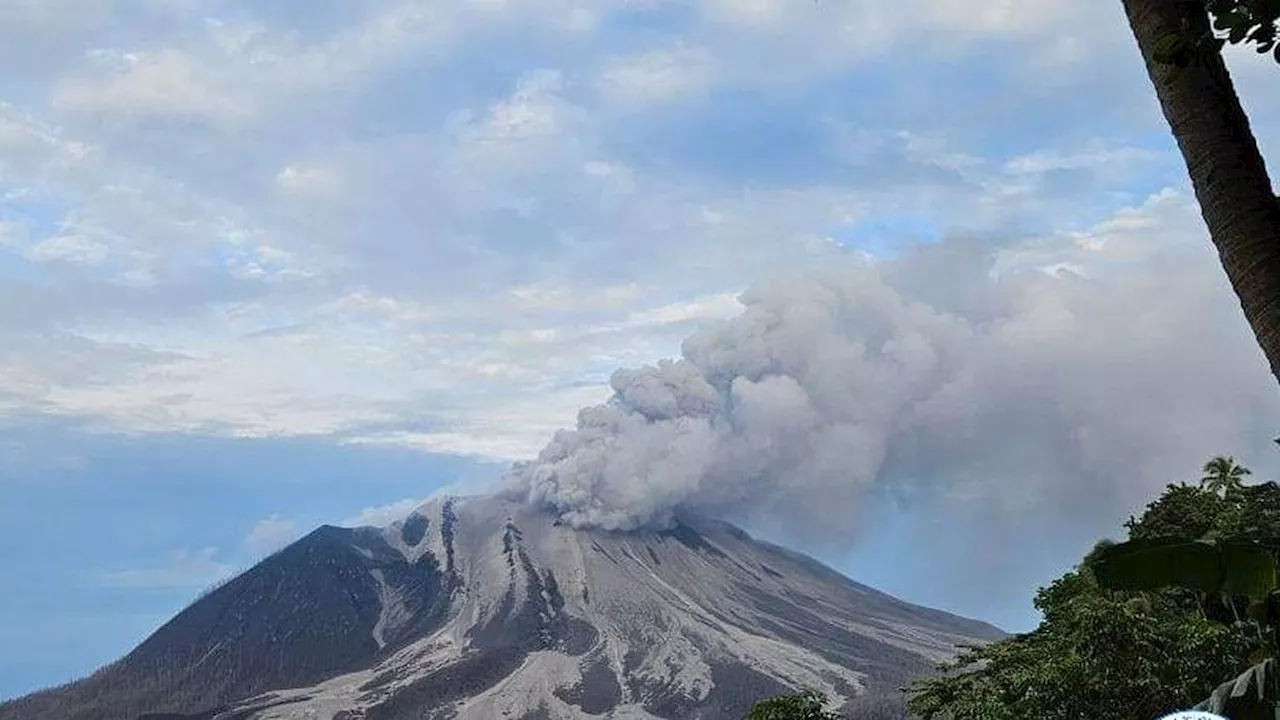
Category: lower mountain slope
[483,608]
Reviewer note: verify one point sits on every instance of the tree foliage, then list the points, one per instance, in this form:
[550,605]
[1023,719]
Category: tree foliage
[1223,476]
[1151,648]
[1238,22]
[1238,565]
[1251,22]
[807,705]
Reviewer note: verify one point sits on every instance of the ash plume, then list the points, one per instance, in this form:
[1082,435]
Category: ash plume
[1072,375]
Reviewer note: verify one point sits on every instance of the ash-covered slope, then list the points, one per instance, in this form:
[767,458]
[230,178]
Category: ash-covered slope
[485,608]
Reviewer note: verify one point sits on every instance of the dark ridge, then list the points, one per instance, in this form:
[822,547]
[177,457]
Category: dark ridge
[597,693]
[595,546]
[474,674]
[448,525]
[747,570]
[299,617]
[542,713]
[691,539]
[794,623]
[631,662]
[541,623]
[553,589]
[770,571]
[244,713]
[537,624]
[414,529]
[934,619]
[494,632]
[512,528]
[735,688]
[510,538]
[586,595]
[664,700]
[423,587]
[580,637]
[653,555]
[545,603]
[425,591]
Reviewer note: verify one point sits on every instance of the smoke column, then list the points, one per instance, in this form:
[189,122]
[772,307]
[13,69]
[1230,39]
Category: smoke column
[1076,376]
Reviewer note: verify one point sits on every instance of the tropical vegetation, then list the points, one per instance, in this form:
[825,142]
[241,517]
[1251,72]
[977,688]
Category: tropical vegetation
[807,705]
[1143,628]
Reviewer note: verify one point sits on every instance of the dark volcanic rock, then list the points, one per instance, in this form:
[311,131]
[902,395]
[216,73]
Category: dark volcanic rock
[414,529]
[298,617]
[484,608]
[597,692]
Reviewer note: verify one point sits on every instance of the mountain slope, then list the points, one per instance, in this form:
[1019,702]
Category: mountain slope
[486,608]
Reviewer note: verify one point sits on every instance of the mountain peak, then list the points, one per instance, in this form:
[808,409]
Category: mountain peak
[486,607]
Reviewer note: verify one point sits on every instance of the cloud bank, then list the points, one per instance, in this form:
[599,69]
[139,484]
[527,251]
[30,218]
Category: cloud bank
[1077,372]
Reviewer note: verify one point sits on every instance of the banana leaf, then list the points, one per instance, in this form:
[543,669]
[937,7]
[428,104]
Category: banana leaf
[1232,567]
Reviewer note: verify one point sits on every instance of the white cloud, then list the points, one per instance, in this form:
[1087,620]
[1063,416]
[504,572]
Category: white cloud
[38,154]
[753,12]
[360,236]
[1098,155]
[307,180]
[382,515]
[166,83]
[269,535]
[657,76]
[506,426]
[520,134]
[553,298]
[68,248]
[696,310]
[183,569]
[1000,17]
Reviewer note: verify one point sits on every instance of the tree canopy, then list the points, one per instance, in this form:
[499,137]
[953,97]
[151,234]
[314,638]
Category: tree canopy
[1238,22]
[807,705]
[1124,653]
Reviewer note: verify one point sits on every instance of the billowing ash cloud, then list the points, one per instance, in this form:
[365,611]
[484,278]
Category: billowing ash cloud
[962,369]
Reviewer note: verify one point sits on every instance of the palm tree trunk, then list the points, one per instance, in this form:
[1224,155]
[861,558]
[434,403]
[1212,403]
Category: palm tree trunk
[1222,157]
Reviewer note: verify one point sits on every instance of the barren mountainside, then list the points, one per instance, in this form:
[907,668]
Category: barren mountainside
[480,608]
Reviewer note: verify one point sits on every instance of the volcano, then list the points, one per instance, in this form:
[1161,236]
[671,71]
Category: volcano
[484,608]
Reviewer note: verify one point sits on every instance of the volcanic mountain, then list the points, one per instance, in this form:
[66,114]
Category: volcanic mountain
[486,608]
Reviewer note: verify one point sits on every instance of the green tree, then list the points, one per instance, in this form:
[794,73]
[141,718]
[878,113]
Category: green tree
[1095,651]
[1184,62]
[1224,476]
[1148,647]
[1181,511]
[1234,565]
[807,705]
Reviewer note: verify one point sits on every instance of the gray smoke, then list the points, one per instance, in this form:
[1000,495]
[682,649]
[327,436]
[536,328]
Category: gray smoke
[962,370]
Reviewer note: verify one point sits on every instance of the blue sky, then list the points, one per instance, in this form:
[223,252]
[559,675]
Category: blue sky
[267,267]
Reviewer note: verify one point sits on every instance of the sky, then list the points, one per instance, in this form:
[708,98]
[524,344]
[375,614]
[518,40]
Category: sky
[267,266]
